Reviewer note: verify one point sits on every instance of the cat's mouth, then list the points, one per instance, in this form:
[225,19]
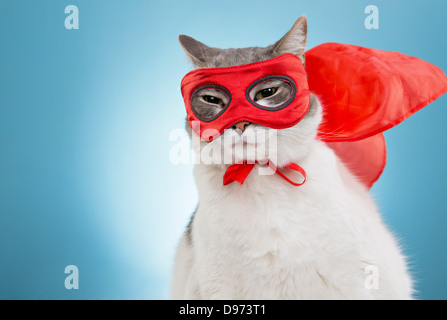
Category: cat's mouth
[256,144]
[247,151]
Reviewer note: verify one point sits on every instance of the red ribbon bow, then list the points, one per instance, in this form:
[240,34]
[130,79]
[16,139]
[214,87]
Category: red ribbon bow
[239,172]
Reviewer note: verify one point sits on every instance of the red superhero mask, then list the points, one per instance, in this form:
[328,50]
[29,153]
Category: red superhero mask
[238,88]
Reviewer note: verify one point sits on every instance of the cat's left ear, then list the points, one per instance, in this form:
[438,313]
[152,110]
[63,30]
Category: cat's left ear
[294,41]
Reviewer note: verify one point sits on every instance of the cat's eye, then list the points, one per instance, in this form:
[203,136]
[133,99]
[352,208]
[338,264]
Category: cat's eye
[208,102]
[265,93]
[212,100]
[271,93]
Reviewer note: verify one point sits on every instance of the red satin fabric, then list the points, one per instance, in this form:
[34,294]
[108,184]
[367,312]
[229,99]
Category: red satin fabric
[366,158]
[365,92]
[240,171]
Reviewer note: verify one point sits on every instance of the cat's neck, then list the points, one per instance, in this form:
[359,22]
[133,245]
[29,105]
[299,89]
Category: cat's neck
[320,165]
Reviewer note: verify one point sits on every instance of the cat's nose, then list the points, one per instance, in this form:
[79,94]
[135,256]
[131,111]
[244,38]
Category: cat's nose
[241,126]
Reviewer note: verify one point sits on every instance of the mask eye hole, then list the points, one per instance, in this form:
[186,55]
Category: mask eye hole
[271,93]
[208,102]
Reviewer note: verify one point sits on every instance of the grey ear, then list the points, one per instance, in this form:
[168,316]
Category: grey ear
[294,41]
[196,50]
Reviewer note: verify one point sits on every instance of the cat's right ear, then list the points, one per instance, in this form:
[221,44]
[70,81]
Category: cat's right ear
[196,50]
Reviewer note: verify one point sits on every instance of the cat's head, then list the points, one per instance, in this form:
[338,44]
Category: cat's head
[241,141]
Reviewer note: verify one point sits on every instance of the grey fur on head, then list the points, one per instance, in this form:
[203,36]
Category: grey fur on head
[203,56]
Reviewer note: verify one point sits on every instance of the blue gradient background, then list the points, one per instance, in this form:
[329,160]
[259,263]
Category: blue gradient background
[85,118]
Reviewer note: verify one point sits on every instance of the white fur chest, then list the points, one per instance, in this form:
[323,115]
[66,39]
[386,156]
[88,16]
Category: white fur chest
[268,239]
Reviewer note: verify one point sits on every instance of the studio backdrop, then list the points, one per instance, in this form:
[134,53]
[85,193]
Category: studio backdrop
[93,195]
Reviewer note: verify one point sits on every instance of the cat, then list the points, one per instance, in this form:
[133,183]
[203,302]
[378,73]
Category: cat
[269,240]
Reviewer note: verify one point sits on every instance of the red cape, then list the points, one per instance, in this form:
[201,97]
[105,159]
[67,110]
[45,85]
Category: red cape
[365,92]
